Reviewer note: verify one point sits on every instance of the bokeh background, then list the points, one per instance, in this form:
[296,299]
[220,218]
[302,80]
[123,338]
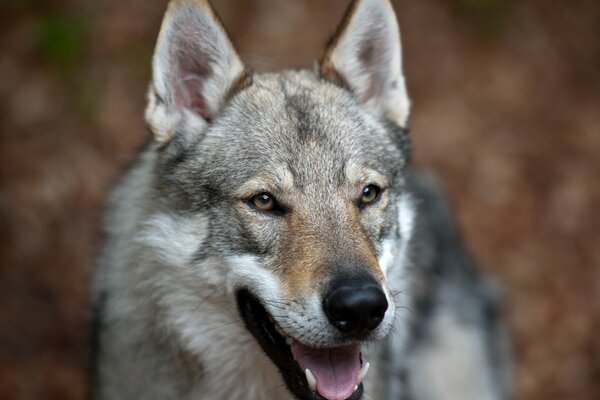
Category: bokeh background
[506,113]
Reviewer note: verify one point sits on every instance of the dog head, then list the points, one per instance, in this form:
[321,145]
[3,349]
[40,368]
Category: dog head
[299,176]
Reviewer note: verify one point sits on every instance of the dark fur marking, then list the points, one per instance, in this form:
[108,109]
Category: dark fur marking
[234,239]
[301,109]
[177,154]
[211,196]
[95,326]
[298,107]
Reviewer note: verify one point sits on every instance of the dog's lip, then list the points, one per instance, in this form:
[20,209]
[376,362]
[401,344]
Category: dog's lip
[277,345]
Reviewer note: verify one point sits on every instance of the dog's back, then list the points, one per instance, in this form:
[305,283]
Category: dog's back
[271,239]
[458,332]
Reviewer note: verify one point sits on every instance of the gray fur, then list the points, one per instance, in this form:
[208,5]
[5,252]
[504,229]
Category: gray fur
[183,239]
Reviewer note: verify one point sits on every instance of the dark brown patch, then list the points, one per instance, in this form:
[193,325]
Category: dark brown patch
[242,82]
[331,74]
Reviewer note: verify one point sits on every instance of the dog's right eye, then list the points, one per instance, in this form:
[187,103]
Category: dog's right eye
[263,202]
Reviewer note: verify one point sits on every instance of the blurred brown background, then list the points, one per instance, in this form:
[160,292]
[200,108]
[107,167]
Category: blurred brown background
[506,113]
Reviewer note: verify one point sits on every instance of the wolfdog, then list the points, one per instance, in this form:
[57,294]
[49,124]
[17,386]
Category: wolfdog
[271,242]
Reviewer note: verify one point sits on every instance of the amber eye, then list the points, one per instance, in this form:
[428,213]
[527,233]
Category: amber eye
[263,201]
[370,194]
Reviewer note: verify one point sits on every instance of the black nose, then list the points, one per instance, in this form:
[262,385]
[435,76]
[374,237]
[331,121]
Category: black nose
[355,306]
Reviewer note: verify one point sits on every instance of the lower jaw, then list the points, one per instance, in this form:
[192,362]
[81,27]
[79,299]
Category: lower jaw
[277,347]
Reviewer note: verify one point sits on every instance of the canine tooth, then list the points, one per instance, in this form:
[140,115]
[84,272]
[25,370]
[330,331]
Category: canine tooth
[362,373]
[355,388]
[289,340]
[310,378]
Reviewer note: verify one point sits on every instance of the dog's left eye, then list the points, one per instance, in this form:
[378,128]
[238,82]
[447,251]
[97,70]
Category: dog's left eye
[263,201]
[370,194]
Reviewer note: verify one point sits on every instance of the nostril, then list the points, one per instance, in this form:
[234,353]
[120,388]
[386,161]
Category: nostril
[355,307]
[377,314]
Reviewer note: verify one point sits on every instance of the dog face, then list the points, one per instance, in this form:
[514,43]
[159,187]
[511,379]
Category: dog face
[299,179]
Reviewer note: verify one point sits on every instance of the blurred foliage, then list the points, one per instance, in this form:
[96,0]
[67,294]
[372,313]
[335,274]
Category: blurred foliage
[61,41]
[139,59]
[60,30]
[489,17]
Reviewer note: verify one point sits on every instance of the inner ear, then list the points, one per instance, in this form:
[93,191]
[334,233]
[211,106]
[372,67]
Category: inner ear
[189,86]
[371,57]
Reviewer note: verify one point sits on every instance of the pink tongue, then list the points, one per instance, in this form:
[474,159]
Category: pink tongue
[335,369]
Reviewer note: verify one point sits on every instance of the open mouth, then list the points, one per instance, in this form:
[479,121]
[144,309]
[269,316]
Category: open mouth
[310,374]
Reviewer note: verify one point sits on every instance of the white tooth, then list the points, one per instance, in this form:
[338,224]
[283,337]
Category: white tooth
[289,340]
[310,378]
[362,373]
[355,388]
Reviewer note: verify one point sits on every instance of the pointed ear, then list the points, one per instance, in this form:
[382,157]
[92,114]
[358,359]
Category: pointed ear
[365,56]
[195,68]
